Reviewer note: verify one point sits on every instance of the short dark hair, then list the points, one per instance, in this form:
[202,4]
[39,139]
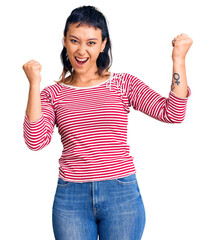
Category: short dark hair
[90,16]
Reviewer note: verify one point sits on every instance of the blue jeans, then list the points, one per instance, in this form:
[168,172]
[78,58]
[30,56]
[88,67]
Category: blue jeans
[111,209]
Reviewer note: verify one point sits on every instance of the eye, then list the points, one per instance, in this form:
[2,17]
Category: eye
[73,41]
[92,43]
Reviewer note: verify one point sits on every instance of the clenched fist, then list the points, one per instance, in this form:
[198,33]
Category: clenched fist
[32,70]
[181,45]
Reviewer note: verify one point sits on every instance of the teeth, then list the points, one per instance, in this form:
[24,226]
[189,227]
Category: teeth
[82,60]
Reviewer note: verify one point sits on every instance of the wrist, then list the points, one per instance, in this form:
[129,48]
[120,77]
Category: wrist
[34,86]
[179,60]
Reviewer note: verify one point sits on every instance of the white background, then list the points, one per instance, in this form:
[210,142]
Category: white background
[174,162]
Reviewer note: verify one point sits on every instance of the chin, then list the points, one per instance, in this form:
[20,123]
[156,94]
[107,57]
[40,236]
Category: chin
[83,70]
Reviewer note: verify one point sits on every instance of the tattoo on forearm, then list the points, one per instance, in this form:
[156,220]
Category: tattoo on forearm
[176,78]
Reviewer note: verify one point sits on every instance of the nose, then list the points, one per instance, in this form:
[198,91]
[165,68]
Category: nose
[81,50]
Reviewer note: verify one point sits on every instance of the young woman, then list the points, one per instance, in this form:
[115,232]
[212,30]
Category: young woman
[97,190]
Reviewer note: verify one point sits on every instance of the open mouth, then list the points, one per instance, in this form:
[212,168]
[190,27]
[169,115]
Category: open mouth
[81,61]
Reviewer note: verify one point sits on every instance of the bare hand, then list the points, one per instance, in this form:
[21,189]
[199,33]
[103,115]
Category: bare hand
[181,46]
[32,70]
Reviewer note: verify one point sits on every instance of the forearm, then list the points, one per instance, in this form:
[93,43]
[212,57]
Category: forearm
[33,109]
[179,79]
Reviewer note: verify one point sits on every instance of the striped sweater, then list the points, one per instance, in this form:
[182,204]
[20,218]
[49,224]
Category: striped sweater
[92,122]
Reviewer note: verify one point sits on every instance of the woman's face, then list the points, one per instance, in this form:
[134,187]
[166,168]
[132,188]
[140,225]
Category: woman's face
[83,45]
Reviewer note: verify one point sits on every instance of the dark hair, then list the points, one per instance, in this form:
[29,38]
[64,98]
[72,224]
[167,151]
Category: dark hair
[90,16]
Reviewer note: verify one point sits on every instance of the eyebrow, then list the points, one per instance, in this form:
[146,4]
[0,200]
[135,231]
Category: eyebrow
[78,38]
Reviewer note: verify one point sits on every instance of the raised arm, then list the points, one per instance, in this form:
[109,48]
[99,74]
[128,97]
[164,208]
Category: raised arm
[39,117]
[173,108]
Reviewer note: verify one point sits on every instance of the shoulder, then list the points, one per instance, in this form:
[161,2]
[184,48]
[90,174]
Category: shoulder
[52,90]
[122,82]
[126,78]
[53,87]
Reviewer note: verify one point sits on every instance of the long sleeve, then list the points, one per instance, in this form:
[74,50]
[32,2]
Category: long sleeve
[146,100]
[38,134]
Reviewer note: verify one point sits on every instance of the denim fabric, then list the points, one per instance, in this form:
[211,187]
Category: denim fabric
[111,209]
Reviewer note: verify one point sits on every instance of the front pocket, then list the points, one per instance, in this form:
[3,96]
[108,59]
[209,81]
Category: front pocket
[127,180]
[62,183]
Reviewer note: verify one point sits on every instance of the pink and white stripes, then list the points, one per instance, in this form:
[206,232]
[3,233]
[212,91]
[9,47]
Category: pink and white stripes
[92,122]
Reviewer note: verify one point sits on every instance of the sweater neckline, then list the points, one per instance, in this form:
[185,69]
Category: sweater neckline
[94,86]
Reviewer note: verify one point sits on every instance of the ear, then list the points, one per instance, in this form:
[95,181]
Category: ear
[103,44]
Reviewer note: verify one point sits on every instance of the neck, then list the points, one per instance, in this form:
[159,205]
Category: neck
[85,76]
